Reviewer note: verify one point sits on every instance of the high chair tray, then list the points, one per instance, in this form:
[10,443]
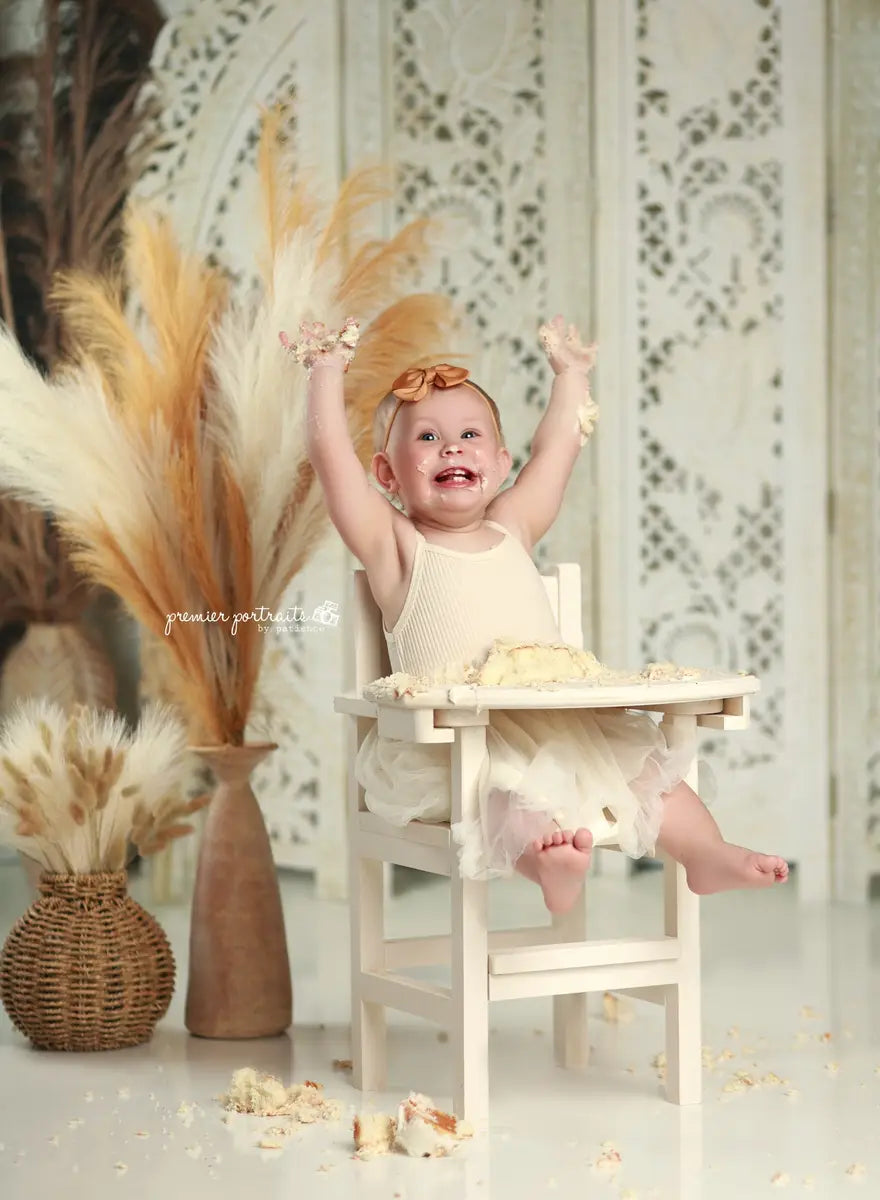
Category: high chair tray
[709,693]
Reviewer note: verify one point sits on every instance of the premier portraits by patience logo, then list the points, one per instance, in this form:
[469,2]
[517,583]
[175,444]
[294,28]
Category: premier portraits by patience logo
[288,620]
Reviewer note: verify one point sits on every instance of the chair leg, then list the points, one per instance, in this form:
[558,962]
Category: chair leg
[368,1038]
[469,946]
[571,1035]
[684,1052]
[469,1036]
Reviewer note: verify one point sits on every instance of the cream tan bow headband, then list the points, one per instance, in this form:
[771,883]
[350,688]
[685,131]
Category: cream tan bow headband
[414,384]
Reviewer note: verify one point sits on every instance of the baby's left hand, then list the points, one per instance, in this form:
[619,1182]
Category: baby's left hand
[564,349]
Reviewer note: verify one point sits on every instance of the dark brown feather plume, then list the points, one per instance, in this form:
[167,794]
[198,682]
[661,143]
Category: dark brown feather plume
[70,145]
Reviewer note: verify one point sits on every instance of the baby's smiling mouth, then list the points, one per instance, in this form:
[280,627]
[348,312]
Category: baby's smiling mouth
[455,475]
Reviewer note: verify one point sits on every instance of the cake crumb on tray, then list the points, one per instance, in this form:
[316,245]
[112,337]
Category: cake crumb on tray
[509,663]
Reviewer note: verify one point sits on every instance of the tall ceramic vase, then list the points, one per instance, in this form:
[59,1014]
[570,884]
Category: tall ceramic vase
[239,973]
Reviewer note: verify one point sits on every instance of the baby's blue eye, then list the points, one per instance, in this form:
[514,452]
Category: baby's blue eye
[467,433]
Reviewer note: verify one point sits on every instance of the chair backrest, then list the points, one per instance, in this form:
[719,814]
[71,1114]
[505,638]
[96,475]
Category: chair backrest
[366,649]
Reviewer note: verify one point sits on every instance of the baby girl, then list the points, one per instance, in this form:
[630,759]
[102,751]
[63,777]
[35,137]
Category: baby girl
[451,571]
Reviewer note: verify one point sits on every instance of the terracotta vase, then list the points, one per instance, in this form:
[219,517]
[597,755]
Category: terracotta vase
[86,968]
[239,973]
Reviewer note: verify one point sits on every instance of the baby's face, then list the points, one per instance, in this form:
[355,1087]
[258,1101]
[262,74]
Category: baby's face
[444,459]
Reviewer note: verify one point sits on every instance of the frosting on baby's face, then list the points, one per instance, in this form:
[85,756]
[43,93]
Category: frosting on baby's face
[444,459]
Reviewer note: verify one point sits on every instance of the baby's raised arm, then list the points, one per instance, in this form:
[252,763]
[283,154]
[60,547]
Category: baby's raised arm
[361,515]
[534,500]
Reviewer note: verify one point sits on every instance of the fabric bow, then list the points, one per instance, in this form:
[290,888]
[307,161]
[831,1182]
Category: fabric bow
[413,385]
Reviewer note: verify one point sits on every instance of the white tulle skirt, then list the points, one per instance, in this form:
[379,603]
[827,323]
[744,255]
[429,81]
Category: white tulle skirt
[606,772]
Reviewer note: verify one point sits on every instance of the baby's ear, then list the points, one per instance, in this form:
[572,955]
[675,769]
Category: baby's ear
[382,471]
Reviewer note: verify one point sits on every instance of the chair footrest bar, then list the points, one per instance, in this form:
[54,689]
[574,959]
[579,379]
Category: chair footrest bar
[568,955]
[407,995]
[569,981]
[436,949]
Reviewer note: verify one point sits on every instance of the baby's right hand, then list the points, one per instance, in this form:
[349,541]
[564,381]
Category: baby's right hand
[317,345]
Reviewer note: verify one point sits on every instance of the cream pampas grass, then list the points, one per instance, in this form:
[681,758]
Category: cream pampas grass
[76,789]
[176,465]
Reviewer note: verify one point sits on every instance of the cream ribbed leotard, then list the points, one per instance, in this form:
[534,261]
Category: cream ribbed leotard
[458,602]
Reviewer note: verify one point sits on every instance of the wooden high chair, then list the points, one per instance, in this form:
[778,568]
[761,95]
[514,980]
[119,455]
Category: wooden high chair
[557,961]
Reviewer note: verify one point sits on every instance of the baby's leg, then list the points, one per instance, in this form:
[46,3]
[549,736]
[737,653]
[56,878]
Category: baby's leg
[553,858]
[690,835]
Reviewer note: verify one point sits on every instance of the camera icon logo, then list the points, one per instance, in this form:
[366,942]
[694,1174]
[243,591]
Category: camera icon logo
[326,613]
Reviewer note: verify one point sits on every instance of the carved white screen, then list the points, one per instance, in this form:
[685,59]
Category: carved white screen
[713,474]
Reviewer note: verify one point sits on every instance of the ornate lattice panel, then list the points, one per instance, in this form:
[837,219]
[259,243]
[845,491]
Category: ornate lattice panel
[855,394]
[484,98]
[215,66]
[710,303]
[714,447]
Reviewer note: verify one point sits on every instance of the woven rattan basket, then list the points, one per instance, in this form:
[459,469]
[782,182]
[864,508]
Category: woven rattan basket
[86,968]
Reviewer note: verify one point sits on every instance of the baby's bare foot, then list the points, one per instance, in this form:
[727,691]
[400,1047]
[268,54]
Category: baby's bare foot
[560,861]
[725,867]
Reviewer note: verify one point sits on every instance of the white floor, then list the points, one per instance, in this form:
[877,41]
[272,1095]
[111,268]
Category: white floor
[145,1123]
